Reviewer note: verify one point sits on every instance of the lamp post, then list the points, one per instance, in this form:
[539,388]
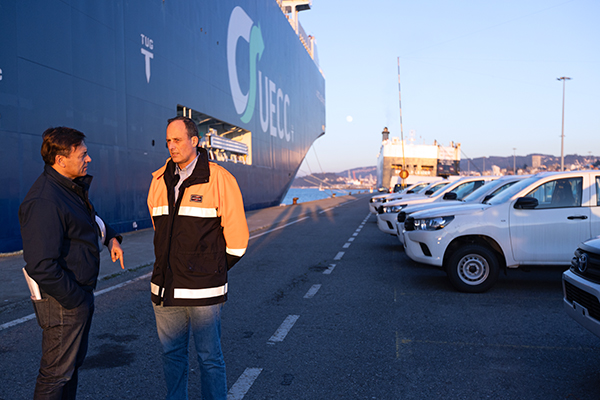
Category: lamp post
[562,135]
[514,160]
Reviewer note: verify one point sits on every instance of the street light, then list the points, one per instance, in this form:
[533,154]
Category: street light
[562,135]
[514,160]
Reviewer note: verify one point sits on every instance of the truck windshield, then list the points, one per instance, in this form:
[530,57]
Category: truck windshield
[479,192]
[511,191]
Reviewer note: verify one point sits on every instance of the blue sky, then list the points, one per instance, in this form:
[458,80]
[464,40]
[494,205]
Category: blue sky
[480,73]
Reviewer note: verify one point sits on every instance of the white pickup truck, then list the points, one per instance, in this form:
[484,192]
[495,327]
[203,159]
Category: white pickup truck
[481,195]
[376,200]
[581,286]
[536,222]
[418,190]
[387,213]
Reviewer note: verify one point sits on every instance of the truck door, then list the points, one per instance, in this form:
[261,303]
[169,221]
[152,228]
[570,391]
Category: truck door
[550,233]
[595,209]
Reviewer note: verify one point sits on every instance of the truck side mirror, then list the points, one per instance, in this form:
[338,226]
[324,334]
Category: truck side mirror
[526,203]
[450,196]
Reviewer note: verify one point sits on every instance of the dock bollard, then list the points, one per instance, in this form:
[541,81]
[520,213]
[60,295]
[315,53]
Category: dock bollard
[295,200]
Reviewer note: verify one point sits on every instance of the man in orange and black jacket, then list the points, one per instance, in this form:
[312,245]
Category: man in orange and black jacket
[200,233]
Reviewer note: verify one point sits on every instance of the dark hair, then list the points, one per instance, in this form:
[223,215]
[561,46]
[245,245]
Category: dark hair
[190,125]
[59,141]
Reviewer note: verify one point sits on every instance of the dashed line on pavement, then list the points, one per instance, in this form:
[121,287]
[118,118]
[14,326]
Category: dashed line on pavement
[243,384]
[245,381]
[329,270]
[283,329]
[312,291]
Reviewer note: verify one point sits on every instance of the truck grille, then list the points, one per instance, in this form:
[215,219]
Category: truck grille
[401,216]
[587,300]
[409,224]
[592,272]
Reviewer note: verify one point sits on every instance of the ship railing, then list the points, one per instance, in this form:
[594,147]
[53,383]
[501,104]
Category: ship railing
[309,43]
[304,38]
[291,13]
[223,156]
[226,150]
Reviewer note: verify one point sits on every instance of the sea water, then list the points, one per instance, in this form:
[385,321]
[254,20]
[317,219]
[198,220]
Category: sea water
[309,194]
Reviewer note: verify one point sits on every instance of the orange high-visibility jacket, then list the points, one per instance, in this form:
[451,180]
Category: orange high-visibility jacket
[199,237]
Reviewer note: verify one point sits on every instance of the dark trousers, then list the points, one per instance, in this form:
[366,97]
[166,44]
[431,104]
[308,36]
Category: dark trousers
[64,346]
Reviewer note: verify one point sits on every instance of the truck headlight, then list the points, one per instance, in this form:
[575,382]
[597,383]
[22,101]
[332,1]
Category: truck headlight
[393,209]
[432,224]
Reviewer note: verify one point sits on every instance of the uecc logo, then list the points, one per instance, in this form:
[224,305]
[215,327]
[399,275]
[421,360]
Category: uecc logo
[273,103]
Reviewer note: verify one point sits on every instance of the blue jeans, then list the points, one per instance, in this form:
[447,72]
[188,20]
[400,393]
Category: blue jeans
[64,346]
[175,326]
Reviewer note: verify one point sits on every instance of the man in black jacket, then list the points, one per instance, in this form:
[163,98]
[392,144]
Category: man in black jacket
[62,253]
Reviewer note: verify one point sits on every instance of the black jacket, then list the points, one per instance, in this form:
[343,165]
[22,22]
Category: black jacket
[60,237]
[198,237]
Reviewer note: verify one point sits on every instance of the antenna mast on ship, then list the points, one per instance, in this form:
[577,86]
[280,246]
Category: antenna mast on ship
[404,172]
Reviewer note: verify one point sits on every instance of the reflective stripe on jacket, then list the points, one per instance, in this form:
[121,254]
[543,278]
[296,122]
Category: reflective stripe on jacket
[199,237]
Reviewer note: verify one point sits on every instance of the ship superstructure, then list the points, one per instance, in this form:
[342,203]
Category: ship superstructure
[422,162]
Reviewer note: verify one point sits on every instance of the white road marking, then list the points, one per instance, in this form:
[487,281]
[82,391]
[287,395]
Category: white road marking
[98,293]
[339,256]
[312,291]
[120,285]
[283,329]
[243,384]
[355,234]
[329,209]
[274,229]
[17,322]
[351,239]
[346,245]
[329,270]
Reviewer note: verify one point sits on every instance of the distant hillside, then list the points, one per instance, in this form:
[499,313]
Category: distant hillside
[475,164]
[316,180]
[523,162]
[331,178]
[359,173]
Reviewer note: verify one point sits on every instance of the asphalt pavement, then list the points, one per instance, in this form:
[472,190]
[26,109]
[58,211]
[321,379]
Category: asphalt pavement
[325,306]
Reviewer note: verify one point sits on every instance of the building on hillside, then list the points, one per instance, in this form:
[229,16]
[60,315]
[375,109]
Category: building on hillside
[422,162]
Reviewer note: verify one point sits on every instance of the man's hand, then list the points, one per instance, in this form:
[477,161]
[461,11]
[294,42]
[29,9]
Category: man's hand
[116,252]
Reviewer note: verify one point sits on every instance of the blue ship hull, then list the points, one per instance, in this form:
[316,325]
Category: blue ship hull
[117,70]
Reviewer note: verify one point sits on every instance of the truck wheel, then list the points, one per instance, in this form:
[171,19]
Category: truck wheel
[473,269]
